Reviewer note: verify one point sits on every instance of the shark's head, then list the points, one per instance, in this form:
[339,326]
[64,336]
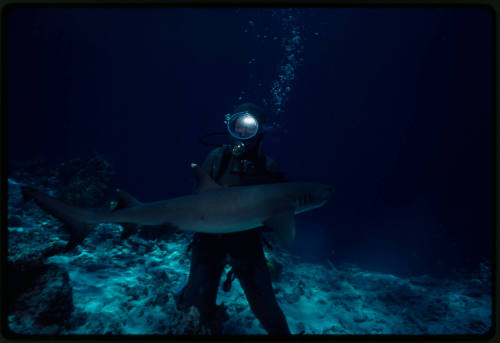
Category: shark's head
[311,195]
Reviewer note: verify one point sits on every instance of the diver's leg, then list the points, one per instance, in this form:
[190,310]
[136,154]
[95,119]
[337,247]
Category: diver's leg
[251,269]
[207,264]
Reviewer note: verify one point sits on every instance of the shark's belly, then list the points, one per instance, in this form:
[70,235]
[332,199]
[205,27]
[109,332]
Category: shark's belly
[219,227]
[224,213]
[213,222]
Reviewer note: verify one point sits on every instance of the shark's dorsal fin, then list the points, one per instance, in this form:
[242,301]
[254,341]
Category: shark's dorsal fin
[203,181]
[125,200]
[283,224]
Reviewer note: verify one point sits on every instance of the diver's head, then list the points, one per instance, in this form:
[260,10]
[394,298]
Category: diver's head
[257,111]
[244,125]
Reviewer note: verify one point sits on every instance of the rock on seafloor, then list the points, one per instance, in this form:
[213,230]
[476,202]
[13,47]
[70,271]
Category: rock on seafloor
[45,306]
[39,294]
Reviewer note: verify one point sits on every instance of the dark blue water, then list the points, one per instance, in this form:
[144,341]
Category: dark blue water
[393,107]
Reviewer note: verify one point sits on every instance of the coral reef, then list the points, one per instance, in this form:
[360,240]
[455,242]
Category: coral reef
[84,182]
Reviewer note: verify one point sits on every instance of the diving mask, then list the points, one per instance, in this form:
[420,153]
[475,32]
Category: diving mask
[242,125]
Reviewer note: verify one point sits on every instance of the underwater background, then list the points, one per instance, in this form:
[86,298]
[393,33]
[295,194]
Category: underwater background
[392,107]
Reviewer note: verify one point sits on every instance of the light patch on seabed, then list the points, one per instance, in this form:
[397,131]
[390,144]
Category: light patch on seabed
[119,294]
[318,314]
[113,288]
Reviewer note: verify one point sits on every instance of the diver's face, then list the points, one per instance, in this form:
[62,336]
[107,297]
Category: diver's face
[245,126]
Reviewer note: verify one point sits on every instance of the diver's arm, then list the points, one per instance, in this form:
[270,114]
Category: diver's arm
[212,162]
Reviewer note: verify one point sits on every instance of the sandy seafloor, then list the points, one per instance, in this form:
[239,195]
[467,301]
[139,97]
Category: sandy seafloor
[127,287]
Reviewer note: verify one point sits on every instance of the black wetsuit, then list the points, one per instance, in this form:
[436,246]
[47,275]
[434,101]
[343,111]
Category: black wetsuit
[242,250]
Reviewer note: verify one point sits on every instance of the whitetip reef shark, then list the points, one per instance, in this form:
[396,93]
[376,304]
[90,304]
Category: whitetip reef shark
[211,209]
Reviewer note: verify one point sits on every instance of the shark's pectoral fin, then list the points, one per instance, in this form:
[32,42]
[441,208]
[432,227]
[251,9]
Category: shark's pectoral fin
[77,229]
[125,200]
[74,240]
[129,229]
[158,231]
[283,224]
[169,227]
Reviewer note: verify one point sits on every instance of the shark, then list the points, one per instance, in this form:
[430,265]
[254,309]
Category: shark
[211,208]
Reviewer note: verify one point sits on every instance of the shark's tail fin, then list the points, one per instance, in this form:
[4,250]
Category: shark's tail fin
[78,222]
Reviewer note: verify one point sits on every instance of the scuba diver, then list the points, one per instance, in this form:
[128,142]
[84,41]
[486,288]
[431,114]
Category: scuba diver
[239,163]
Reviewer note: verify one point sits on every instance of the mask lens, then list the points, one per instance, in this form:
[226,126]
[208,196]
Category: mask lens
[243,125]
